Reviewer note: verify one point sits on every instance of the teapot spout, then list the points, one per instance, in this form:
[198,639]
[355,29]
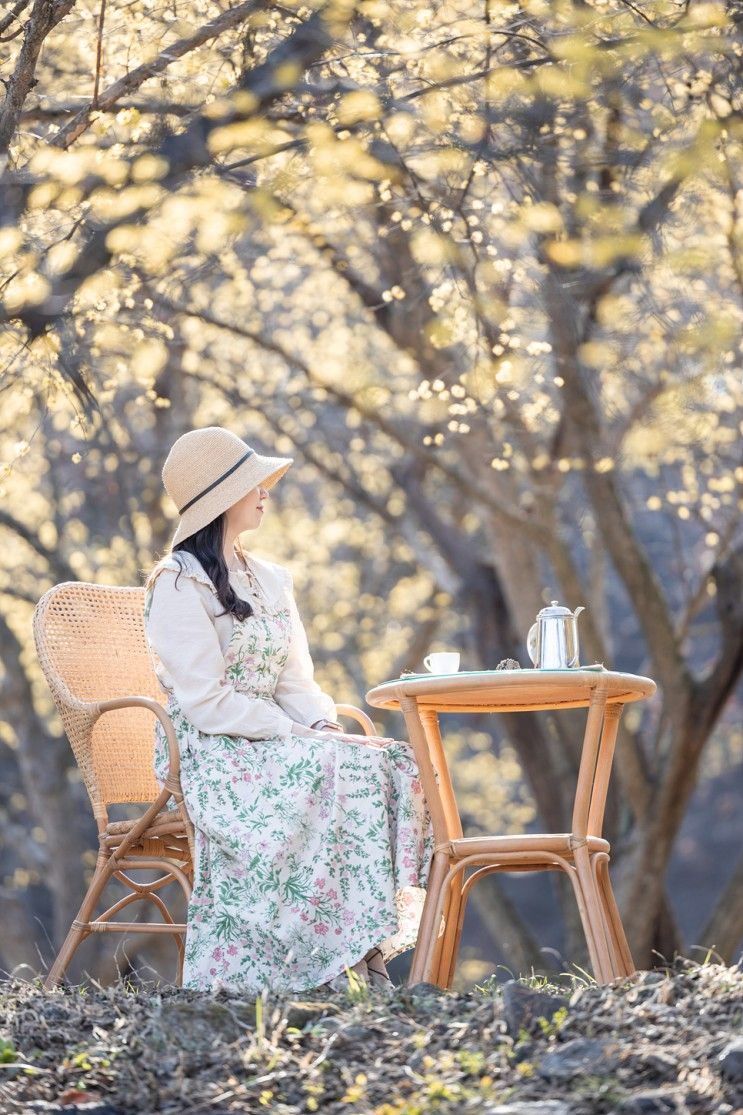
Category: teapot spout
[578,610]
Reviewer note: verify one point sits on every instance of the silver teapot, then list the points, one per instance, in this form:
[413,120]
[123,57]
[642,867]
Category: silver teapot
[553,640]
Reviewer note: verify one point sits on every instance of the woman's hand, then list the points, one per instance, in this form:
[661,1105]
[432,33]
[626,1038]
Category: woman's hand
[313,733]
[377,742]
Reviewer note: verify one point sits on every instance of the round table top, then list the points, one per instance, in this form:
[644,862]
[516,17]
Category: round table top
[510,690]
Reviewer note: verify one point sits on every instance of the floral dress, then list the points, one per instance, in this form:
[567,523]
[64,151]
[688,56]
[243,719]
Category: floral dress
[308,852]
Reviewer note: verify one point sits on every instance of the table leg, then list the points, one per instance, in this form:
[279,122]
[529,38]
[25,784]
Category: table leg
[594,924]
[624,965]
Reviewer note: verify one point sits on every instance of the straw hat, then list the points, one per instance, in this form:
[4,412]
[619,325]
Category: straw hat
[209,470]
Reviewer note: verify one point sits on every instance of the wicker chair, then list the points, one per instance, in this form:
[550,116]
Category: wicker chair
[93,650]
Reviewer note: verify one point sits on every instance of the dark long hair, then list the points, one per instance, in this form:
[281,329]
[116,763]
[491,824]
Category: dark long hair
[207,546]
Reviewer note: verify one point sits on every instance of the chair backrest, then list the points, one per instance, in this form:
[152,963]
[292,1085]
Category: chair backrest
[92,646]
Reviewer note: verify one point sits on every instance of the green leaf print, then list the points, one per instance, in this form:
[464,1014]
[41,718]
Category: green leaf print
[225,926]
[230,892]
[378,830]
[292,889]
[297,773]
[270,881]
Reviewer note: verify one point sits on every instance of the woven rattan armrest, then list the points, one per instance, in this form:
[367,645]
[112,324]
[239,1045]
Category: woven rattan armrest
[174,759]
[356,714]
[172,782]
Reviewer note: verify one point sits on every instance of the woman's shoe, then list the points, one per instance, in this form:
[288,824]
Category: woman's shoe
[379,977]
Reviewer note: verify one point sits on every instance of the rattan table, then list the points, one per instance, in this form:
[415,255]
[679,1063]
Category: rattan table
[582,853]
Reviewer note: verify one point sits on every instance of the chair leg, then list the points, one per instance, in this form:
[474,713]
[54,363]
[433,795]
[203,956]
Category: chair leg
[427,929]
[78,930]
[75,937]
[594,924]
[623,961]
[457,937]
[449,941]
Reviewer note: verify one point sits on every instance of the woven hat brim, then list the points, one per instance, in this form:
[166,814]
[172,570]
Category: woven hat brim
[265,471]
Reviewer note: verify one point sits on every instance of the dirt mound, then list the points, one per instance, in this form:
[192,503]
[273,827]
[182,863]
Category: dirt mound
[663,1041]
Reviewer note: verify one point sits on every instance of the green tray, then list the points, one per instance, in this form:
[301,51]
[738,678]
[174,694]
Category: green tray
[480,673]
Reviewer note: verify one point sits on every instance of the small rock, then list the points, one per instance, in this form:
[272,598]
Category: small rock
[653,1103]
[522,1006]
[660,1065]
[523,1051]
[526,1107]
[580,1057]
[425,991]
[731,1060]
[650,977]
[352,1034]
[72,1108]
[325,1025]
[193,1026]
[298,1014]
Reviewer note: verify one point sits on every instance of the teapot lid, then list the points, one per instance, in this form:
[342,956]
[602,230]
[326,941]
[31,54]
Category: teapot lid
[554,609]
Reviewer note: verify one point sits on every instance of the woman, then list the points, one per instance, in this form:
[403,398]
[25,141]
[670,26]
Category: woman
[312,845]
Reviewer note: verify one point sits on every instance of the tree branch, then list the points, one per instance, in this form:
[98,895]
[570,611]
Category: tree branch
[8,19]
[395,430]
[137,77]
[711,695]
[44,17]
[59,568]
[629,557]
[179,154]
[723,931]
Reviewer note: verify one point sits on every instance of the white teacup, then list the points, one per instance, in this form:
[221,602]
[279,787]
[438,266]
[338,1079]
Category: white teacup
[443,662]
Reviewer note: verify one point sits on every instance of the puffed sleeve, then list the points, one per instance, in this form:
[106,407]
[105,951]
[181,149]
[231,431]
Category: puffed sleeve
[181,632]
[296,689]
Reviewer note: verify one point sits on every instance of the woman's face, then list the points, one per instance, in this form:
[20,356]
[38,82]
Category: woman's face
[247,513]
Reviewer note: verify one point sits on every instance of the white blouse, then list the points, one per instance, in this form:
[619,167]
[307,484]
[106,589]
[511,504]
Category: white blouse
[188,640]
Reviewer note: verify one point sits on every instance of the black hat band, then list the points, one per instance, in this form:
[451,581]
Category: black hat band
[217,482]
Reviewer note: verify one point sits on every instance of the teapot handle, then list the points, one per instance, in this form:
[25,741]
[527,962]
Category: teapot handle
[531,643]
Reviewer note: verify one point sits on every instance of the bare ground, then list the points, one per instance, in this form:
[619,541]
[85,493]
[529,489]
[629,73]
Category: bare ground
[663,1041]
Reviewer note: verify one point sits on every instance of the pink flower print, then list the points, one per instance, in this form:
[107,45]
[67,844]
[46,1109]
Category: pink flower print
[315,901]
[217,954]
[304,916]
[416,787]
[320,882]
[212,971]
[338,931]
[321,928]
[332,894]
[232,950]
